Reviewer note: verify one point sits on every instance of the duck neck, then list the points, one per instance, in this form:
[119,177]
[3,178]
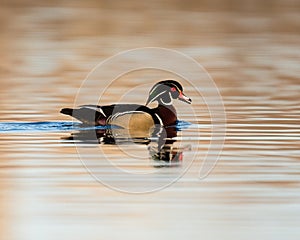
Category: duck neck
[167,113]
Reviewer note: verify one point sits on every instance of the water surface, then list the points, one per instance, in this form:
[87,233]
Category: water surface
[252,53]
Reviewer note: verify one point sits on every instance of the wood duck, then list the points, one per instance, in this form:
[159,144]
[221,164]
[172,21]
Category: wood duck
[134,116]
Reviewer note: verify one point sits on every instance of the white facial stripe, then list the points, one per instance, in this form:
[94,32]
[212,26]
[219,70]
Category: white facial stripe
[156,96]
[169,103]
[175,86]
[153,90]
[165,85]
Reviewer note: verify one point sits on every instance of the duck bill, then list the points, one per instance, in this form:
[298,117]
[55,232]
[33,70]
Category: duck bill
[184,98]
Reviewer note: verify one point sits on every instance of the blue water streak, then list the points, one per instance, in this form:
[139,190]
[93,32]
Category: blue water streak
[181,125]
[55,126]
[6,127]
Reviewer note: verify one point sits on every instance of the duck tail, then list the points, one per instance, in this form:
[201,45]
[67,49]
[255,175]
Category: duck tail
[67,111]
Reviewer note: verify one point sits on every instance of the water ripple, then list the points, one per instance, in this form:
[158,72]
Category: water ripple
[6,127]
[59,126]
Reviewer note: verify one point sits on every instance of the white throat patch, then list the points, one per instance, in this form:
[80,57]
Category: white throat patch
[168,103]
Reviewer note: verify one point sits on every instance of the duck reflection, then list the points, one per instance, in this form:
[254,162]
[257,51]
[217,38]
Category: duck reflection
[160,143]
[164,153]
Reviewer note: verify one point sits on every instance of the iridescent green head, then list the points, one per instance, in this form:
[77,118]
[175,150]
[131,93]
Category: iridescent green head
[165,91]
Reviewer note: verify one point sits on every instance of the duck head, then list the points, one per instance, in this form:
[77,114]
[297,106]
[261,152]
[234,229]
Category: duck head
[165,91]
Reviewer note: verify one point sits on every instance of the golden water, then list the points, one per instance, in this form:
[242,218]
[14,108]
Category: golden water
[250,48]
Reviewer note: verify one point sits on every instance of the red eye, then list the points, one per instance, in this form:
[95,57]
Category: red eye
[173,89]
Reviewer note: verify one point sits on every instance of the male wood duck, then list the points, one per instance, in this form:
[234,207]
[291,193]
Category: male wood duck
[134,116]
